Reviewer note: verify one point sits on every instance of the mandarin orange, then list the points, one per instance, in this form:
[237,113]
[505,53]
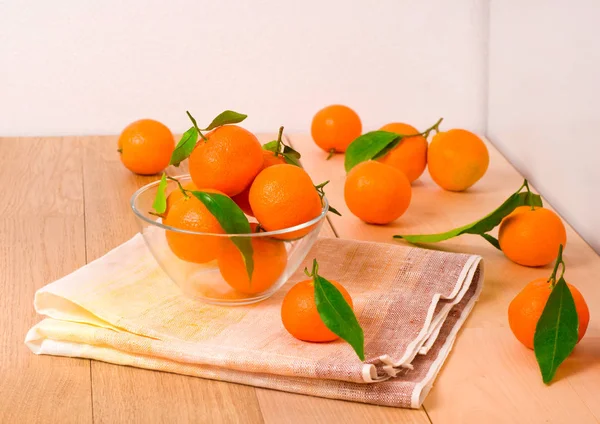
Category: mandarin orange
[334,127]
[283,196]
[457,159]
[410,156]
[531,237]
[300,316]
[377,193]
[145,146]
[189,213]
[269,159]
[526,308]
[227,161]
[177,194]
[270,259]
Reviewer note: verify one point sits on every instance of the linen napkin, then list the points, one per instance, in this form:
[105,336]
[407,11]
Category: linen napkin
[123,309]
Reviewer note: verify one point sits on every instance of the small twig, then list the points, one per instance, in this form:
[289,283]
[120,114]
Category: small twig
[183,190]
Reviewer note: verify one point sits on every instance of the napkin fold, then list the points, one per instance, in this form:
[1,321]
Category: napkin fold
[123,309]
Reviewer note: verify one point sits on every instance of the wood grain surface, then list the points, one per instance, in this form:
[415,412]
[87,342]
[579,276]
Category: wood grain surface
[66,202]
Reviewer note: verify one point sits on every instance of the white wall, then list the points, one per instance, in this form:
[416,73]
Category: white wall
[544,101]
[83,67]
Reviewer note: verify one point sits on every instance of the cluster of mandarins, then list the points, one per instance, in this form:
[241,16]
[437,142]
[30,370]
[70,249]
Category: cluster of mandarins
[378,184]
[266,182]
[378,191]
[381,167]
[228,160]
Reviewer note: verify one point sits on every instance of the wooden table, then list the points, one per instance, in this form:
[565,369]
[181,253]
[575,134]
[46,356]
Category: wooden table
[65,203]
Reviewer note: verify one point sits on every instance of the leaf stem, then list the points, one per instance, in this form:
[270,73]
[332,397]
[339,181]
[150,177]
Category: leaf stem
[432,128]
[315,270]
[183,190]
[279,141]
[422,133]
[529,196]
[196,125]
[320,189]
[331,153]
[559,261]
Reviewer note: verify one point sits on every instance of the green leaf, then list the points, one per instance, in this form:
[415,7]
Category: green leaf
[492,240]
[225,118]
[233,221]
[271,146]
[556,333]
[185,147]
[337,315]
[287,150]
[160,201]
[484,225]
[334,211]
[369,146]
[389,147]
[290,155]
[292,160]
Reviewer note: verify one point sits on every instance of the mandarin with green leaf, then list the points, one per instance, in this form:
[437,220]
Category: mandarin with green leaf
[301,317]
[177,194]
[227,161]
[270,259]
[526,308]
[189,213]
[410,155]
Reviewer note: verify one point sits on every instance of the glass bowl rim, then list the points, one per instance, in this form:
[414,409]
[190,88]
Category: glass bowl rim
[288,230]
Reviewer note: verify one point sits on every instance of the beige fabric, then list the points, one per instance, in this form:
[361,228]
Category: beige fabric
[410,302]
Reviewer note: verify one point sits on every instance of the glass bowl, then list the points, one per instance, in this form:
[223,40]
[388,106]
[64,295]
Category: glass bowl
[208,266]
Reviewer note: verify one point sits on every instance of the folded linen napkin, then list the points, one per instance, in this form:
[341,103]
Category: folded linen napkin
[123,309]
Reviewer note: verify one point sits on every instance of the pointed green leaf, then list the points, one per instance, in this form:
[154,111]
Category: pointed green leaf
[185,147]
[532,199]
[369,146]
[291,160]
[290,155]
[556,333]
[225,118]
[271,146]
[389,147]
[334,211]
[233,220]
[492,240]
[337,315]
[484,225]
[287,150]
[160,201]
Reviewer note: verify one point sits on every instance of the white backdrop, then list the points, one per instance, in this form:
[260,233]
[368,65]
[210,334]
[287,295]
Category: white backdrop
[83,67]
[91,67]
[544,101]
